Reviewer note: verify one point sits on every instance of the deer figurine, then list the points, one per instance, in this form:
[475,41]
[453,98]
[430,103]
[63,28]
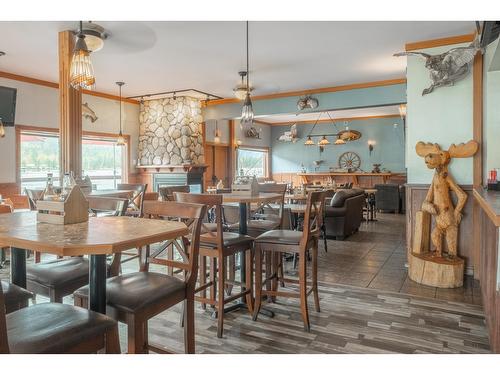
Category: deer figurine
[438,201]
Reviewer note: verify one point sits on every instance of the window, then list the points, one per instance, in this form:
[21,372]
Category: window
[252,162]
[39,153]
[102,160]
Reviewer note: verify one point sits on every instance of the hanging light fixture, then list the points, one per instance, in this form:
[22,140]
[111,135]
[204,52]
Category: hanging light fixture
[339,141]
[2,129]
[81,70]
[247,114]
[121,139]
[240,91]
[309,141]
[216,134]
[402,111]
[324,141]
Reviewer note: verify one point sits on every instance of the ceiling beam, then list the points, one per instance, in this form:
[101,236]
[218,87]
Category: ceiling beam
[55,85]
[305,122]
[320,90]
[423,44]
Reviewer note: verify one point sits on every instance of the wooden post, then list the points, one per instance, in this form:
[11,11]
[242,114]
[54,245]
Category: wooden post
[70,111]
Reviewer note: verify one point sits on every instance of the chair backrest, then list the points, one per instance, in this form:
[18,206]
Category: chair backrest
[151,196]
[313,218]
[137,199]
[5,209]
[192,215]
[111,206]
[267,208]
[167,192]
[4,342]
[214,203]
[33,196]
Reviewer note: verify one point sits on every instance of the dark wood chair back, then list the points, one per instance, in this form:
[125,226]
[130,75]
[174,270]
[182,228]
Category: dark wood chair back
[151,196]
[136,201]
[167,192]
[192,215]
[313,218]
[214,203]
[4,343]
[33,196]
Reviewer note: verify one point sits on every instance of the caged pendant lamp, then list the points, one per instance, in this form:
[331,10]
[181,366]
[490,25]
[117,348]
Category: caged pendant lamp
[81,70]
[247,110]
[121,139]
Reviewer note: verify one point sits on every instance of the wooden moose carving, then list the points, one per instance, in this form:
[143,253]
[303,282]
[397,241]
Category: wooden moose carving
[439,269]
[438,200]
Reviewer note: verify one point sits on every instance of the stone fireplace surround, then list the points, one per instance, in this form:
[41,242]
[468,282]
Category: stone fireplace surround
[170,132]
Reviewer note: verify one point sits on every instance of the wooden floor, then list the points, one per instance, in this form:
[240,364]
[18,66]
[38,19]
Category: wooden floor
[368,306]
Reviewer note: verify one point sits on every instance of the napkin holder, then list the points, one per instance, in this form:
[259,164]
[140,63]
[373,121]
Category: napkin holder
[74,209]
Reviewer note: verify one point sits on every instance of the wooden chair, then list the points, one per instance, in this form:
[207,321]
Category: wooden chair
[54,328]
[218,246]
[135,298]
[4,209]
[167,192]
[33,196]
[280,241]
[15,297]
[136,201]
[61,277]
[151,196]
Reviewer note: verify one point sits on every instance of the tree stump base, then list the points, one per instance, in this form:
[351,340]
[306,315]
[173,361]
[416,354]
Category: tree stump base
[430,270]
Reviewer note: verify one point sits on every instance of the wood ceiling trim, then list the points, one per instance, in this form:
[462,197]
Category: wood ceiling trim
[55,85]
[466,38]
[321,90]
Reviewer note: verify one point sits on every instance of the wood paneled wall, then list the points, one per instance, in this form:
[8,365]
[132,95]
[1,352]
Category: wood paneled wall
[415,195]
[223,164]
[364,181]
[488,278]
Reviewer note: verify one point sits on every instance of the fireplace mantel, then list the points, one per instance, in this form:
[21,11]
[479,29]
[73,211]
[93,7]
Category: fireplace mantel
[185,168]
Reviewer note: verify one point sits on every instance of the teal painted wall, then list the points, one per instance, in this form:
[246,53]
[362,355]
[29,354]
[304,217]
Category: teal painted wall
[368,97]
[388,150]
[443,116]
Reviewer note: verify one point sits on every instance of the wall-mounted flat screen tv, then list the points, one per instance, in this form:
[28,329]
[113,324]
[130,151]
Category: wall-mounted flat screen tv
[8,105]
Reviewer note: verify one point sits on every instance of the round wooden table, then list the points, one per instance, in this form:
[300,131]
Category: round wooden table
[97,238]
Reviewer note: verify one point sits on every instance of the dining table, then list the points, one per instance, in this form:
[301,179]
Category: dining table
[97,238]
[243,200]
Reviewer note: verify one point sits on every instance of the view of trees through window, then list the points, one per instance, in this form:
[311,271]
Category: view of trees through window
[252,162]
[101,160]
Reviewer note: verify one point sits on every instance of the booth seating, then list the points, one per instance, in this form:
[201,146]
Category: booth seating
[344,214]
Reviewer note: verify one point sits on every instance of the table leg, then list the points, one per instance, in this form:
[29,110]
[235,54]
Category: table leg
[244,230]
[97,283]
[18,266]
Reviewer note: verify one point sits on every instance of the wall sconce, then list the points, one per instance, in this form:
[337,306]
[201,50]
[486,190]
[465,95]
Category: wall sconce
[371,145]
[238,143]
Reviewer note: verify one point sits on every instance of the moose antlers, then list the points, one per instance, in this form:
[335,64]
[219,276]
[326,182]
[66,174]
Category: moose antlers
[463,150]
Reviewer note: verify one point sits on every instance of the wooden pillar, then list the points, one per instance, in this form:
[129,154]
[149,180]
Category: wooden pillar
[70,111]
[477,119]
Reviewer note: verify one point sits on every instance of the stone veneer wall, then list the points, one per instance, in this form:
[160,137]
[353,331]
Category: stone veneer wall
[170,132]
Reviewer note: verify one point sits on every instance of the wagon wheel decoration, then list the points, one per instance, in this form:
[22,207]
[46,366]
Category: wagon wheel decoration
[349,160]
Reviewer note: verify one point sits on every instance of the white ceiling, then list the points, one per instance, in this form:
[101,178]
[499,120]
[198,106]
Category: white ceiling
[284,55]
[340,114]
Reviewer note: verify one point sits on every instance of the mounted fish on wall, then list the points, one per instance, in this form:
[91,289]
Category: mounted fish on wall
[88,113]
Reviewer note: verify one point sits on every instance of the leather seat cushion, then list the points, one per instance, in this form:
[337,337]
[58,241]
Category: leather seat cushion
[283,237]
[53,327]
[58,272]
[230,239]
[14,294]
[134,291]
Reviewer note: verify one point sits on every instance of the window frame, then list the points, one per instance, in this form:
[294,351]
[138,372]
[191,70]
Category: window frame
[87,134]
[267,161]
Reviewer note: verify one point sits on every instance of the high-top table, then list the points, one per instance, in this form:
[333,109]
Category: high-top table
[97,238]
